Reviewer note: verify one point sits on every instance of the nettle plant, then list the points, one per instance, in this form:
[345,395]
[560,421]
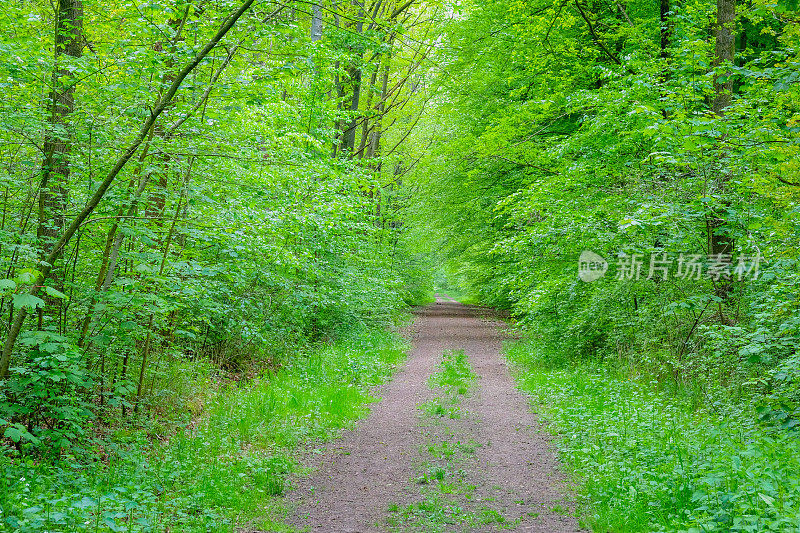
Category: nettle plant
[43,402]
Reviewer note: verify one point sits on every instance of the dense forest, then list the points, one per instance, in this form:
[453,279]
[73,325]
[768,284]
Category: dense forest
[215,214]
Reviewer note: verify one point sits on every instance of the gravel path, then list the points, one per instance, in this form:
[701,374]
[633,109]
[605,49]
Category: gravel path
[365,480]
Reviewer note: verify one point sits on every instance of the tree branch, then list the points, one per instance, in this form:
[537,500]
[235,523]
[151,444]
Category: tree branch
[55,252]
[595,37]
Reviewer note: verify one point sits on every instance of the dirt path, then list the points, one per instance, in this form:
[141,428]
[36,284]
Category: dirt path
[486,466]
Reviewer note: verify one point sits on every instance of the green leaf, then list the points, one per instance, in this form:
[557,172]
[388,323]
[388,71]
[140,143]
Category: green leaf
[13,433]
[85,503]
[50,291]
[769,500]
[19,432]
[27,278]
[27,300]
[112,524]
[7,284]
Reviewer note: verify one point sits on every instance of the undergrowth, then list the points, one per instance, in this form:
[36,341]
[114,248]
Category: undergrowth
[648,457]
[220,471]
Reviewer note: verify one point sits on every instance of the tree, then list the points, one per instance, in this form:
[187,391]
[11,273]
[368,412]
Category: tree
[56,249]
[68,41]
[724,54]
[721,243]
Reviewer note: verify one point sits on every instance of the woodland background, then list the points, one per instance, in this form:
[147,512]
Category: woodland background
[205,198]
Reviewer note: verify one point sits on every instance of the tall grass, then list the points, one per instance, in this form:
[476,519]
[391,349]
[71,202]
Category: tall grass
[646,457]
[226,468]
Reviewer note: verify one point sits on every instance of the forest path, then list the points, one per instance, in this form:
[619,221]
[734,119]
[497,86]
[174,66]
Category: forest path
[485,466]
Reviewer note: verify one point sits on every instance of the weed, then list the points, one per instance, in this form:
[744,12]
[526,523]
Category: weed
[647,459]
[224,469]
[490,516]
[454,374]
[443,484]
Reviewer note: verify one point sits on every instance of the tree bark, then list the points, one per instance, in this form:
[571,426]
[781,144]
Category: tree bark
[53,186]
[724,53]
[349,134]
[316,22]
[354,72]
[55,168]
[666,28]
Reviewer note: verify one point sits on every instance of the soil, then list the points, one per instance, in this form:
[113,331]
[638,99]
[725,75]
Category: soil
[365,480]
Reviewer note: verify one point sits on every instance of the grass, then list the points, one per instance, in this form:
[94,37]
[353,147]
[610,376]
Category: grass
[447,497]
[454,374]
[224,470]
[648,458]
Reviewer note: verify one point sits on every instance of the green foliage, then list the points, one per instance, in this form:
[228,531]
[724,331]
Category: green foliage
[221,469]
[652,458]
[48,393]
[590,136]
[232,238]
[238,240]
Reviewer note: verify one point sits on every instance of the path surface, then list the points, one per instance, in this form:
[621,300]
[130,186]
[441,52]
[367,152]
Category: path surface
[366,479]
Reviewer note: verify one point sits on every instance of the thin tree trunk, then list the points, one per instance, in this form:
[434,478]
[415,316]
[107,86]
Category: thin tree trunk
[148,342]
[349,134]
[721,244]
[724,52]
[365,122]
[113,242]
[316,22]
[373,150]
[666,28]
[56,165]
[354,73]
[123,375]
[69,232]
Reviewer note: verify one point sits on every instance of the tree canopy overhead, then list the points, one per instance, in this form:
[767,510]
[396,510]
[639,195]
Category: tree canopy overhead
[639,131]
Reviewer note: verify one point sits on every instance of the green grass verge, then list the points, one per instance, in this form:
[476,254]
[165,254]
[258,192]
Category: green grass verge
[647,458]
[225,470]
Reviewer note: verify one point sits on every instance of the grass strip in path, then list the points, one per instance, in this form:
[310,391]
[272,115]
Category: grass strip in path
[446,486]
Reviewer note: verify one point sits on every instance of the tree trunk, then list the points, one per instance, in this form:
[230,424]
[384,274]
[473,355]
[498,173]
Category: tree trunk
[721,244]
[365,123]
[55,167]
[373,149]
[316,22]
[347,128]
[69,232]
[349,134]
[666,29]
[724,52]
